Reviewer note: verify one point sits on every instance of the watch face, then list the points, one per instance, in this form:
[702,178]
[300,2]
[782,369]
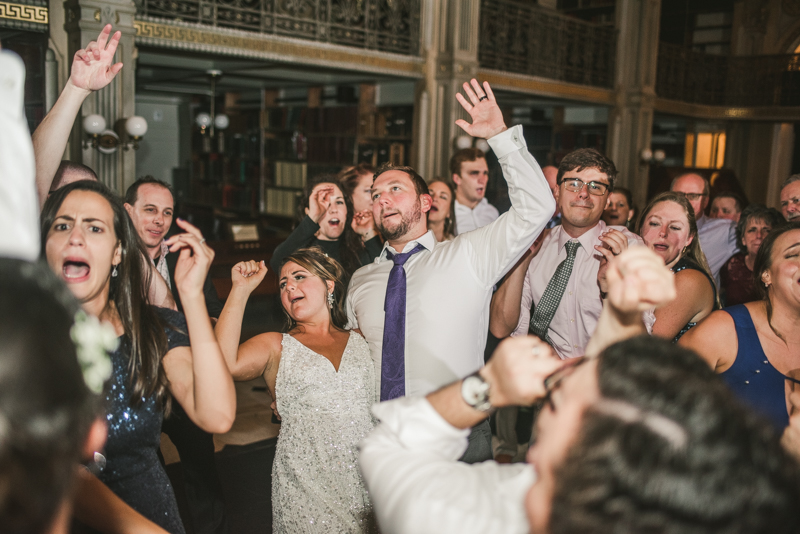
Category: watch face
[474,390]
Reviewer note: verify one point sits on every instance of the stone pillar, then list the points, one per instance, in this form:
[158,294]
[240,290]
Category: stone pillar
[631,121]
[450,48]
[83,21]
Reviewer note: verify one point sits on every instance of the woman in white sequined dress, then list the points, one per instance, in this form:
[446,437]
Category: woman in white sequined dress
[322,378]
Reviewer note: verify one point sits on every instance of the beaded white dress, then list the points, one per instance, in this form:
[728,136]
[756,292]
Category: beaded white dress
[316,483]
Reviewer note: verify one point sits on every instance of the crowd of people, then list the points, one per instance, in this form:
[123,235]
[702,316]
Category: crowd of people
[616,324]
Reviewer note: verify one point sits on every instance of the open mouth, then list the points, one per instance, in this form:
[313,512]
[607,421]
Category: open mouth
[155,233]
[296,299]
[334,222]
[434,208]
[75,271]
[660,247]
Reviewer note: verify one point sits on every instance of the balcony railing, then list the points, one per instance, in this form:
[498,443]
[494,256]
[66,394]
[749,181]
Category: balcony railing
[383,25]
[525,38]
[742,81]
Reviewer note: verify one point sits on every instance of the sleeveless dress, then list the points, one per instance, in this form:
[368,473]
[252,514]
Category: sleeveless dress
[133,470]
[686,263]
[316,484]
[751,377]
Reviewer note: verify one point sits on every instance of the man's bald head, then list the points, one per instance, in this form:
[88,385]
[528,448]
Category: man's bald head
[696,190]
[69,171]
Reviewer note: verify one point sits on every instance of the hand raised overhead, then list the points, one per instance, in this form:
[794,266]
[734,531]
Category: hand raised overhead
[638,280]
[93,67]
[487,119]
[248,274]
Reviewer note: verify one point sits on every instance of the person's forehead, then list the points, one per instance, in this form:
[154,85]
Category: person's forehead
[791,191]
[619,197]
[439,187]
[477,164]
[154,194]
[690,183]
[86,204]
[755,221]
[392,177]
[669,210]
[587,175]
[785,241]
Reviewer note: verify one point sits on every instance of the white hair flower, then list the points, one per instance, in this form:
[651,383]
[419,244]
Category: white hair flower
[93,341]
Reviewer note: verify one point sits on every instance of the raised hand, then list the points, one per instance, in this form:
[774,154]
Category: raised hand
[638,280]
[613,243]
[194,260]
[93,67]
[319,201]
[517,369]
[364,224]
[487,119]
[248,274]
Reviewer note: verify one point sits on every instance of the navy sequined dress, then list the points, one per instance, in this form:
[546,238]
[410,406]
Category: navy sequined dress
[133,470]
[687,263]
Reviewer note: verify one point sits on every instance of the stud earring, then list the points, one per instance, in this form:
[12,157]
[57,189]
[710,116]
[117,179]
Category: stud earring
[330,300]
[114,272]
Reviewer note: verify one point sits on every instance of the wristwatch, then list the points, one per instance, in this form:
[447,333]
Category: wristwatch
[475,392]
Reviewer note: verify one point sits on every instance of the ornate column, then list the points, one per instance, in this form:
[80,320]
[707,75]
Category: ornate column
[450,48]
[83,21]
[631,121]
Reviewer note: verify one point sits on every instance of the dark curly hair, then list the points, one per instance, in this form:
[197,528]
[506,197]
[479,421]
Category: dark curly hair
[587,158]
[670,450]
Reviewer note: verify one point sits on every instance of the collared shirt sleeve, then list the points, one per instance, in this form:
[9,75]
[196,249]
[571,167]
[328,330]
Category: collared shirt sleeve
[352,322]
[496,247]
[19,205]
[409,463]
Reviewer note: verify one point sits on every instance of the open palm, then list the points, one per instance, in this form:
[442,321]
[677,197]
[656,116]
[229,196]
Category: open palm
[93,67]
[487,119]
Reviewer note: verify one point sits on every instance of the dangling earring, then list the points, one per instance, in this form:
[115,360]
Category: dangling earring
[683,252]
[330,300]
[114,272]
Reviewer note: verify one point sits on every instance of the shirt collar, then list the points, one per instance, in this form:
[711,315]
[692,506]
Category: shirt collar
[588,240]
[427,240]
[480,204]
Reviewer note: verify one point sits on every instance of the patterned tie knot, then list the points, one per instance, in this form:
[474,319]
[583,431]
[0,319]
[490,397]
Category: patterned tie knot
[572,248]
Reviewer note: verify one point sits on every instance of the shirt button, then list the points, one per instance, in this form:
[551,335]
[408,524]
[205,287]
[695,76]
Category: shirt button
[570,292]
[765,361]
[576,346]
[572,320]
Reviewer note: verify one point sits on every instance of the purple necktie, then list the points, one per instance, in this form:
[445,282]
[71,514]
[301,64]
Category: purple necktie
[393,355]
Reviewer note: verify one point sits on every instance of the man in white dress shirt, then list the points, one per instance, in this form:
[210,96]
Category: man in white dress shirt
[449,284]
[717,236]
[640,398]
[470,176]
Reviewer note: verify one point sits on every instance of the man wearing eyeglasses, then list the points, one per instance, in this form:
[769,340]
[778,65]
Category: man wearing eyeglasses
[717,236]
[554,293]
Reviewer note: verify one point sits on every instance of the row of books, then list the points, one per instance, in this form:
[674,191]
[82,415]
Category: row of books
[379,153]
[281,202]
[387,121]
[341,120]
[290,174]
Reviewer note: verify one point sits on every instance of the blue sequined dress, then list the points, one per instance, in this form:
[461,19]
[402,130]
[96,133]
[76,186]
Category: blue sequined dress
[133,470]
[316,484]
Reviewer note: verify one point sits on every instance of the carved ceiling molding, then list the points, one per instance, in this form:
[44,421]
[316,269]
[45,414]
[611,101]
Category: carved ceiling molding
[535,85]
[699,111]
[200,38]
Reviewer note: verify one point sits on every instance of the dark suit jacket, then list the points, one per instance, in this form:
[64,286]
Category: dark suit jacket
[213,304]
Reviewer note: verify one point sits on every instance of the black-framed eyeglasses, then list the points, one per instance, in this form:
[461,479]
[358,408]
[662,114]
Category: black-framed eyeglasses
[553,381]
[692,197]
[576,184]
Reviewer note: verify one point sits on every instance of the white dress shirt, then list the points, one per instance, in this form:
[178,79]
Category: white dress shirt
[577,314]
[19,205]
[417,486]
[468,219]
[718,241]
[449,284]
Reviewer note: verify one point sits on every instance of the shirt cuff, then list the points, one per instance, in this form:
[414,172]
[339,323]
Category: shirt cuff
[417,425]
[507,142]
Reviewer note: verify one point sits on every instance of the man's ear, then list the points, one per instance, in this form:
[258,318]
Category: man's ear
[129,209]
[95,438]
[456,179]
[426,202]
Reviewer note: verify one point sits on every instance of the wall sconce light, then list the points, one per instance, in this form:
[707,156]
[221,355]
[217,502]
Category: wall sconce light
[652,157]
[466,141]
[107,141]
[212,120]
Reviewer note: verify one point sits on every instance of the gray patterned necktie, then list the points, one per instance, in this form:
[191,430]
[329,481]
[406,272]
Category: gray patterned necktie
[551,298]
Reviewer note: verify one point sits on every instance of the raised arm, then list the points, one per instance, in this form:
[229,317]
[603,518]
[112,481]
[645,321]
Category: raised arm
[504,311]
[637,281]
[318,203]
[198,376]
[497,247]
[251,359]
[92,69]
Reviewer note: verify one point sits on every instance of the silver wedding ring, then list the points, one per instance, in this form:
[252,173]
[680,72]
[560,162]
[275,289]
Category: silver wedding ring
[202,240]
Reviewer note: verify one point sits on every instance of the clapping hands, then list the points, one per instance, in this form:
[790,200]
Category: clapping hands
[92,67]
[487,119]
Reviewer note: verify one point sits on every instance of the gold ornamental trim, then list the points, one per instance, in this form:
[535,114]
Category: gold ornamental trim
[535,85]
[247,44]
[24,13]
[701,111]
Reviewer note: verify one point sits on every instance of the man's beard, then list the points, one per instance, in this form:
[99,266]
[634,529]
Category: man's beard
[406,222]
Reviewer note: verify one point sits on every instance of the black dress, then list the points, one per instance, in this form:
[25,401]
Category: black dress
[132,469]
[687,263]
[304,236]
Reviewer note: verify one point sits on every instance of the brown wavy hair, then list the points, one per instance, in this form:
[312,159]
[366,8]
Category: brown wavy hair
[763,263]
[143,328]
[328,269]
